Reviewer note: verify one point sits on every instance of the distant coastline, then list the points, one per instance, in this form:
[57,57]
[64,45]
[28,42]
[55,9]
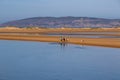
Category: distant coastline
[68,22]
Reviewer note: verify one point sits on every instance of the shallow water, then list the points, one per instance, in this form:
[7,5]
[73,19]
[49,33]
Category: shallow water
[81,34]
[86,36]
[20,60]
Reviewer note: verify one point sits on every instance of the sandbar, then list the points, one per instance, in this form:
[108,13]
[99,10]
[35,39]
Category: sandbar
[105,42]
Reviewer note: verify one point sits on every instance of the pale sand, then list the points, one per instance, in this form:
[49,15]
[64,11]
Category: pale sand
[105,42]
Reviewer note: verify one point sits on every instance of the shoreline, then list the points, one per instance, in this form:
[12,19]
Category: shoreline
[103,42]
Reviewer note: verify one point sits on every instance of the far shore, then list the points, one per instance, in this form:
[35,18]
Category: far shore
[46,30]
[105,42]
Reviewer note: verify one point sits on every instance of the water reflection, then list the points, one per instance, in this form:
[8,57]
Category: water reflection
[64,45]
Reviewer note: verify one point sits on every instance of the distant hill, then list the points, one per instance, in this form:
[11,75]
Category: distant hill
[55,22]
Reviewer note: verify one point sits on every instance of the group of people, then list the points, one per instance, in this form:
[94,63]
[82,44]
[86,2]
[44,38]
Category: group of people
[63,39]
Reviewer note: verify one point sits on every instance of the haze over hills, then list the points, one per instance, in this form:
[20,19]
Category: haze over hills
[56,22]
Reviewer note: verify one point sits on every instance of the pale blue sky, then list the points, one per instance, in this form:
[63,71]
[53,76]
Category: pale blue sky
[19,9]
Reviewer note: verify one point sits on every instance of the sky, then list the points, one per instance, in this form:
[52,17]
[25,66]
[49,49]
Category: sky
[20,9]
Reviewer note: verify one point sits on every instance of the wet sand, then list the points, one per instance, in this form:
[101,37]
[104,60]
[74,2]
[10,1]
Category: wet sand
[105,42]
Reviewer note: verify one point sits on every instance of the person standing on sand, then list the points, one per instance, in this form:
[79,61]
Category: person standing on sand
[63,39]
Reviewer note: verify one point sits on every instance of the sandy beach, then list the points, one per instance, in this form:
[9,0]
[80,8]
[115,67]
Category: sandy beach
[105,42]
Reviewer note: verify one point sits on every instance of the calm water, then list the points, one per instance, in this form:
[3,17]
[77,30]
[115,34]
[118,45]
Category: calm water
[76,34]
[21,60]
[88,36]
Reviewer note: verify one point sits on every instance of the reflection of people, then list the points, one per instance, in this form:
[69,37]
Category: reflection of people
[63,44]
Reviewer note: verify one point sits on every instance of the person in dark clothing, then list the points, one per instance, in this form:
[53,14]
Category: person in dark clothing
[63,39]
